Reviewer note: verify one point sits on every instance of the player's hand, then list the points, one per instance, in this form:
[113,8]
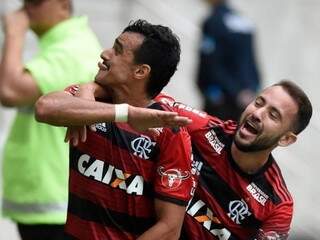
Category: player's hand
[143,119]
[76,134]
[16,23]
[85,91]
[93,91]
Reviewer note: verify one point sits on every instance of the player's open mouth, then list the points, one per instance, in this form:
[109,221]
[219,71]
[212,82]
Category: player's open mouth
[251,127]
[104,66]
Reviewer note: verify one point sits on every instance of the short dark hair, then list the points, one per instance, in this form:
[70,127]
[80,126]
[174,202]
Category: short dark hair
[304,105]
[160,49]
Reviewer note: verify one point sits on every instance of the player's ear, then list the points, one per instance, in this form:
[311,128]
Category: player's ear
[287,139]
[142,71]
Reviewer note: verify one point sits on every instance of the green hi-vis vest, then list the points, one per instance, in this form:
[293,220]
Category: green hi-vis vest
[35,167]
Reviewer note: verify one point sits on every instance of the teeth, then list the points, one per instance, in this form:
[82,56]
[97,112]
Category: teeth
[107,65]
[252,126]
[104,65]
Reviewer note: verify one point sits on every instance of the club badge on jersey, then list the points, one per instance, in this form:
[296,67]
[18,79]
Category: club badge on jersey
[172,178]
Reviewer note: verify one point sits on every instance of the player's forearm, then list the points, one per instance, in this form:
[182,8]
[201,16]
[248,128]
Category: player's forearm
[11,67]
[62,109]
[168,226]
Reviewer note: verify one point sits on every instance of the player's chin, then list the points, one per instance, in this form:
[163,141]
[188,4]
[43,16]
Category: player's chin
[242,142]
[101,75]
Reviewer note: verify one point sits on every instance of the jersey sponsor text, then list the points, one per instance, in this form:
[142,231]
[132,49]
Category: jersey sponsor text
[113,177]
[216,144]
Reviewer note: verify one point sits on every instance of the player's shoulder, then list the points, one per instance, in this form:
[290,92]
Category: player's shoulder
[229,127]
[200,119]
[276,180]
[165,99]
[183,109]
[165,102]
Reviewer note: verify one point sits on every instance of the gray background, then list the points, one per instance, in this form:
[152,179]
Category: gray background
[288,37]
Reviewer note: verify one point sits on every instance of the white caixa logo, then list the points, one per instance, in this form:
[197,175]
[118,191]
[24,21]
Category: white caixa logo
[142,147]
[107,174]
[205,216]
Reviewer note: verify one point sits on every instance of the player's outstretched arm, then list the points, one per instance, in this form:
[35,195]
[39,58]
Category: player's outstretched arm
[142,118]
[63,109]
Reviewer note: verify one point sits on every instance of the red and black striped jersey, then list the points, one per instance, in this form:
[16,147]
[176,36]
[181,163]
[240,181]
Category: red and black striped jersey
[116,174]
[229,203]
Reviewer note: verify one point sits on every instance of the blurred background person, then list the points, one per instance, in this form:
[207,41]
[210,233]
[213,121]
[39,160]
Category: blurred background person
[227,75]
[35,162]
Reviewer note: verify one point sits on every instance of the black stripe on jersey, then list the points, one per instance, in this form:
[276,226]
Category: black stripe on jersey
[222,136]
[89,211]
[280,174]
[264,185]
[73,164]
[170,199]
[123,139]
[275,171]
[259,177]
[211,181]
[278,170]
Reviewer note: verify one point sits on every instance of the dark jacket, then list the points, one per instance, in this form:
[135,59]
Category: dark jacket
[227,62]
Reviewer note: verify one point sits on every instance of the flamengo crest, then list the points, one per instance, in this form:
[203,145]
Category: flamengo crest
[142,147]
[238,211]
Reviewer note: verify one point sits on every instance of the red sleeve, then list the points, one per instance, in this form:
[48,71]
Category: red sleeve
[199,118]
[174,181]
[278,224]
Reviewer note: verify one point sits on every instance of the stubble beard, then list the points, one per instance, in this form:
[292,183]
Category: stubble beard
[260,143]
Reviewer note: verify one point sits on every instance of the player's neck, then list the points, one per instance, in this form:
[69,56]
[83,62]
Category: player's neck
[132,97]
[249,162]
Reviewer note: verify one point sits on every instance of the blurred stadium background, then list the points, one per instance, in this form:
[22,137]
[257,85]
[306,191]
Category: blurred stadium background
[288,37]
